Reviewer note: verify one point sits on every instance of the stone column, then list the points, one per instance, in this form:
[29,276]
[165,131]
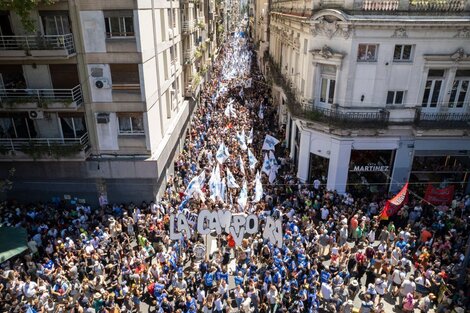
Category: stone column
[401,165]
[340,155]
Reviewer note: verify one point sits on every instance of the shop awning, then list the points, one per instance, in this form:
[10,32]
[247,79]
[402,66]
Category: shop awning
[13,241]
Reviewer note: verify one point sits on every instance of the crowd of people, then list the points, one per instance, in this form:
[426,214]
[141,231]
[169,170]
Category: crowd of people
[337,254]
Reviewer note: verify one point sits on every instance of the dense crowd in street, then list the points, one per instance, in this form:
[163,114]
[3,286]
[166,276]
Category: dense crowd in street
[337,254]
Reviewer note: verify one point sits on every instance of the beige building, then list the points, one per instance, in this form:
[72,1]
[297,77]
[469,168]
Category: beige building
[95,99]
[372,93]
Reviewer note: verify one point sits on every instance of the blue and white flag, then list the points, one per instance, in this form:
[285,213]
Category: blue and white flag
[269,143]
[193,186]
[260,112]
[272,159]
[252,160]
[258,188]
[241,140]
[249,138]
[243,196]
[231,182]
[202,179]
[214,183]
[229,110]
[223,190]
[222,153]
[241,165]
[274,167]
[266,165]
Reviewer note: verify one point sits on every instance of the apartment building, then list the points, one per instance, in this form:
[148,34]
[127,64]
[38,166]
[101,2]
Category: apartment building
[93,99]
[373,93]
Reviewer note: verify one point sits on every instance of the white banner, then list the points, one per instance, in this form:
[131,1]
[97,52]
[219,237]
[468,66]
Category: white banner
[252,160]
[231,182]
[269,143]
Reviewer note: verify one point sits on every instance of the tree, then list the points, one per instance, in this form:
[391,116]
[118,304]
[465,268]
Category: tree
[24,8]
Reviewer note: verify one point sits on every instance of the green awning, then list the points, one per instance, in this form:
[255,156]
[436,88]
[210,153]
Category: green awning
[13,241]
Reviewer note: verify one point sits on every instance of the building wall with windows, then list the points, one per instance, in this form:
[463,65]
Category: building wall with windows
[372,76]
[97,84]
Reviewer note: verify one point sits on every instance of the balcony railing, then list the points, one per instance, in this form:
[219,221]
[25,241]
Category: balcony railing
[45,98]
[31,43]
[380,5]
[188,56]
[365,118]
[442,119]
[39,148]
[437,5]
[189,26]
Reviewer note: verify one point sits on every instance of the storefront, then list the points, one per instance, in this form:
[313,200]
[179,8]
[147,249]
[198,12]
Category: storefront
[370,171]
[440,170]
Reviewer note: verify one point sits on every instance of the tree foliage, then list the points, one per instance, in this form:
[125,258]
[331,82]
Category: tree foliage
[24,8]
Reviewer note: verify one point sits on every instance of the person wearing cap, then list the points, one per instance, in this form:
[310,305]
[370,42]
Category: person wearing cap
[407,287]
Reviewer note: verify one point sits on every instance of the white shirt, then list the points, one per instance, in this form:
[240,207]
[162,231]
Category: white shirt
[326,291]
[238,293]
[324,213]
[380,286]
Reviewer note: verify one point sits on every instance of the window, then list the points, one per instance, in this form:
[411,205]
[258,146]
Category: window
[131,123]
[73,126]
[367,53]
[125,76]
[55,23]
[395,97]
[119,24]
[402,53]
[432,88]
[459,93]
[328,83]
[18,126]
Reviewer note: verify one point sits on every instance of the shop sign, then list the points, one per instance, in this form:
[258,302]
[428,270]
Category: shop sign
[371,168]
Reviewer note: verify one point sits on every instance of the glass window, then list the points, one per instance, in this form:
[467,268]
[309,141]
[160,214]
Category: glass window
[432,88]
[119,24]
[131,124]
[458,93]
[402,53]
[367,53]
[395,97]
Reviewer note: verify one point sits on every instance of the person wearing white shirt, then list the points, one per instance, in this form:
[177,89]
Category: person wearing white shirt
[380,287]
[326,291]
[239,296]
[324,213]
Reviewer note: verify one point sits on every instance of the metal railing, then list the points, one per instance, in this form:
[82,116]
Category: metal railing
[380,5]
[370,118]
[188,56]
[47,146]
[188,26]
[441,119]
[434,5]
[42,96]
[43,42]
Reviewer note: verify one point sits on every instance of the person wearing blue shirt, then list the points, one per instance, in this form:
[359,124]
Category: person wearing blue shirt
[239,279]
[401,244]
[209,280]
[325,276]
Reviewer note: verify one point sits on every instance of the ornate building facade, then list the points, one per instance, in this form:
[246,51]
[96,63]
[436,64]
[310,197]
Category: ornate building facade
[373,93]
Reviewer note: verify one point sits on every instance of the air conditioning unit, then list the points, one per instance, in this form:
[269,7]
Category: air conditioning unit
[102,82]
[102,118]
[36,115]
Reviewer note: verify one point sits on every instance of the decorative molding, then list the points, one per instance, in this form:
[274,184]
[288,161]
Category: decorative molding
[463,33]
[330,29]
[326,53]
[400,32]
[459,55]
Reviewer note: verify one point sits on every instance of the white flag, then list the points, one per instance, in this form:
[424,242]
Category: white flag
[202,178]
[252,160]
[231,182]
[272,158]
[222,190]
[243,196]
[260,112]
[266,165]
[258,188]
[241,140]
[193,186]
[272,174]
[269,143]
[241,165]
[249,139]
[222,153]
[214,184]
[248,83]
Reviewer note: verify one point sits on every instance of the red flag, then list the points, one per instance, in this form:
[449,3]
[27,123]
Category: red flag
[437,196]
[396,203]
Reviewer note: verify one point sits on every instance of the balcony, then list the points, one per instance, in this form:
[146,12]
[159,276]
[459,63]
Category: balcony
[189,26]
[67,99]
[188,56]
[46,149]
[380,5]
[440,120]
[343,117]
[37,46]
